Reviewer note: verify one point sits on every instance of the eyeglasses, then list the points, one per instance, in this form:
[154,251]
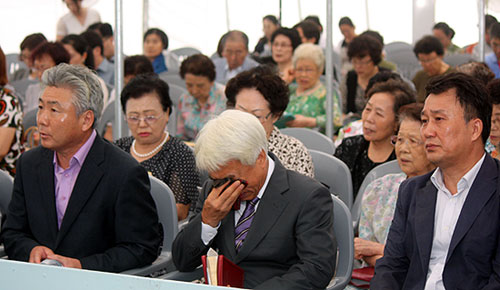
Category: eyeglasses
[356,62]
[150,120]
[305,71]
[427,61]
[399,140]
[261,119]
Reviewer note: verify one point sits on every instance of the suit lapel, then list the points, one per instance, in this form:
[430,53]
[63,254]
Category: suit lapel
[86,182]
[269,210]
[228,234]
[424,221]
[48,196]
[483,187]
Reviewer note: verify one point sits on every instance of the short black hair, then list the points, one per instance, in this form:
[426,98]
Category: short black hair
[489,20]
[144,84]
[374,34]
[364,45]
[346,21]
[401,91]
[81,46]
[93,39]
[316,20]
[494,91]
[310,30]
[163,36]
[271,18]
[32,41]
[291,34]
[53,49]
[427,45]
[198,65]
[495,30]
[412,112]
[471,94]
[445,28]
[136,65]
[264,79]
[382,76]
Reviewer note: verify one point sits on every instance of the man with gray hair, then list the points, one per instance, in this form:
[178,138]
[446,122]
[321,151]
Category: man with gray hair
[281,235]
[78,199]
[235,58]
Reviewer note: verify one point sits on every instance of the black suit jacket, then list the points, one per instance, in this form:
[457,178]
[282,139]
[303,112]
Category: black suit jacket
[290,244]
[473,260]
[110,223]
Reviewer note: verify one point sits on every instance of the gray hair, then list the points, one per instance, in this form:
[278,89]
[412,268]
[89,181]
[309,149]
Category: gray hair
[85,85]
[233,135]
[312,52]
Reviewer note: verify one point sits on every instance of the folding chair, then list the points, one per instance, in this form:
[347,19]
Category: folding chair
[312,139]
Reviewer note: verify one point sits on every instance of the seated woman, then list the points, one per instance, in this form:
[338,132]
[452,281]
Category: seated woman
[430,53]
[147,106]
[269,25]
[445,34]
[363,152]
[45,56]
[154,42]
[284,41]
[365,53]
[11,123]
[308,94]
[80,53]
[261,92]
[379,199]
[494,90]
[204,100]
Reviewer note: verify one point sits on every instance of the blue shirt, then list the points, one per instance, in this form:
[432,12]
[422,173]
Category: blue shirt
[106,71]
[492,62]
[159,65]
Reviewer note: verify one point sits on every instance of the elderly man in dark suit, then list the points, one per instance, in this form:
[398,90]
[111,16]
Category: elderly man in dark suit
[78,199]
[282,235]
[445,231]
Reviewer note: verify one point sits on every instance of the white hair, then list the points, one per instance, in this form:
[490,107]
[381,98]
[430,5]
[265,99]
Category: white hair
[233,135]
[85,85]
[312,52]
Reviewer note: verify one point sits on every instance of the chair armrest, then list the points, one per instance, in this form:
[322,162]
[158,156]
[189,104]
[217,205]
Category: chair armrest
[161,265]
[184,276]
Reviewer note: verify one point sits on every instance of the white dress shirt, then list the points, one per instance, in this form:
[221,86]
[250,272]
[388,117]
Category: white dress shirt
[448,208]
[208,232]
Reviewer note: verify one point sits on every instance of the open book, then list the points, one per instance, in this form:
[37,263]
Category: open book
[219,271]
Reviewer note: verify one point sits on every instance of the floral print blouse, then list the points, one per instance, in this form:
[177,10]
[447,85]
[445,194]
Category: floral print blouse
[11,116]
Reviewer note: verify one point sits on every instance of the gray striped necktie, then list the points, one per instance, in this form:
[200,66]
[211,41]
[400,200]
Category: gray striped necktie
[243,225]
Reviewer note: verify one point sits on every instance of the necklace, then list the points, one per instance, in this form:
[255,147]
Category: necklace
[151,152]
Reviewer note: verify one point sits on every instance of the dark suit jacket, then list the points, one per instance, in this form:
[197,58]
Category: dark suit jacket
[290,244]
[473,260]
[110,223]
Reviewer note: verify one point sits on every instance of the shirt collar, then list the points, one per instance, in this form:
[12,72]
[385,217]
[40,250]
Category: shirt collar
[105,64]
[270,170]
[82,153]
[464,182]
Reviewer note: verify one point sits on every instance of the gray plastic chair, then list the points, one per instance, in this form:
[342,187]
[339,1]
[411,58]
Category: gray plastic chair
[332,172]
[167,213]
[312,139]
[342,226]
[377,172]
[172,78]
[13,63]
[397,46]
[406,61]
[176,92]
[458,59]
[20,87]
[184,52]
[108,116]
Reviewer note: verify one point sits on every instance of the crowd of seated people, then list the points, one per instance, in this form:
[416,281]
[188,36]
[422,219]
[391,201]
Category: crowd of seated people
[378,116]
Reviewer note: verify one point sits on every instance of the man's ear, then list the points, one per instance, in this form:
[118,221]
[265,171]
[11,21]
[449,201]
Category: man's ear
[87,119]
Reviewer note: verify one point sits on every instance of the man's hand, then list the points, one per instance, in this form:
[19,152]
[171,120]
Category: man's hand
[39,253]
[364,248]
[217,205]
[66,262]
[301,121]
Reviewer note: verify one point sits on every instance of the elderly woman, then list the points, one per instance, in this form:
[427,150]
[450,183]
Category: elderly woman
[204,100]
[365,53]
[147,106]
[430,53]
[46,55]
[283,43]
[308,94]
[77,20]
[155,42]
[11,119]
[379,199]
[362,153]
[262,93]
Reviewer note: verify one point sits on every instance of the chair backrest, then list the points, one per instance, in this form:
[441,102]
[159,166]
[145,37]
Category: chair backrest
[108,116]
[377,172]
[342,226]
[396,46]
[406,61]
[172,79]
[176,92]
[13,63]
[6,186]
[172,122]
[29,119]
[311,139]
[332,172]
[20,86]
[167,211]
[458,59]
[184,52]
